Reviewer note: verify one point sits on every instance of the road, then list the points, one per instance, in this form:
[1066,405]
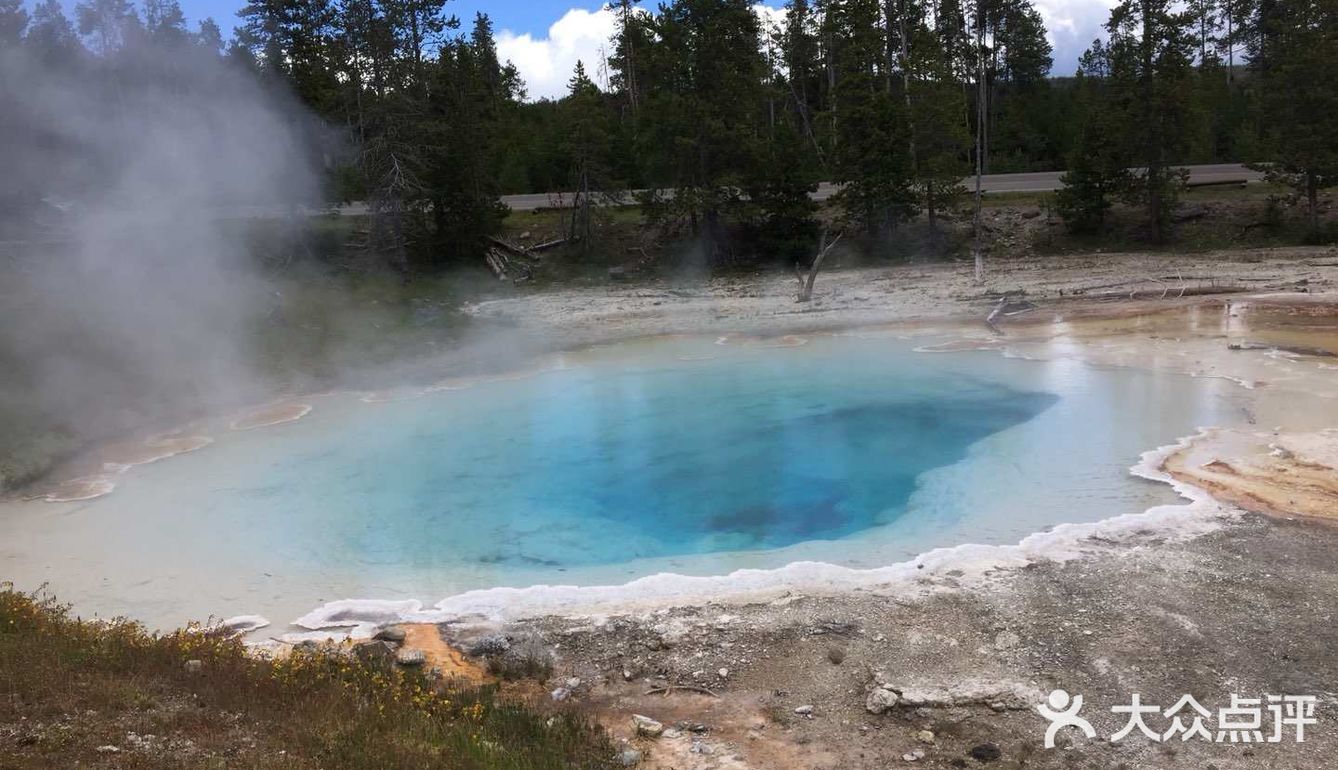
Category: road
[1039,181]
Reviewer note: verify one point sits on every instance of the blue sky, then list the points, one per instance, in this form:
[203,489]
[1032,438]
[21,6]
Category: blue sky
[544,38]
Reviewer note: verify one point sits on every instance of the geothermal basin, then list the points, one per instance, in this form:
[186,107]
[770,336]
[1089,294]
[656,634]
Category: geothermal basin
[688,456]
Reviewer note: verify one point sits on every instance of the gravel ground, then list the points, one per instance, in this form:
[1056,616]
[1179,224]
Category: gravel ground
[1249,610]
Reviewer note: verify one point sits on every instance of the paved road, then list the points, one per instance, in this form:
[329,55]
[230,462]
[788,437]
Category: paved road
[1039,181]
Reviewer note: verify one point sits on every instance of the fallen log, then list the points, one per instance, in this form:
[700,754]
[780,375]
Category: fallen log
[552,244]
[496,263]
[1198,291]
[668,689]
[1219,183]
[1297,350]
[511,250]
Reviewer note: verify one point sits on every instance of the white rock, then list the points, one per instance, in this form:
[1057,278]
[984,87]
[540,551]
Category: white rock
[913,756]
[925,736]
[724,673]
[411,657]
[646,726]
[560,694]
[804,711]
[880,700]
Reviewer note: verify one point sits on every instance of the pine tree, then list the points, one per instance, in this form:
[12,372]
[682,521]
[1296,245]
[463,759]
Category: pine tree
[587,131]
[209,37]
[13,21]
[704,123]
[802,58]
[1098,167]
[942,139]
[108,24]
[1301,99]
[51,35]
[164,22]
[1151,48]
[871,155]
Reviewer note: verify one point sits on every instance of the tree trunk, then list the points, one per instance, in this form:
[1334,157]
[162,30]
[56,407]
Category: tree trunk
[980,137]
[1312,200]
[1155,170]
[906,80]
[824,248]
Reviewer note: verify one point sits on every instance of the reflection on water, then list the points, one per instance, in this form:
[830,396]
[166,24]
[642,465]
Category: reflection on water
[677,455]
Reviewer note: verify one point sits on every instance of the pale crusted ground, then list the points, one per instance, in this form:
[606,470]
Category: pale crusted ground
[765,303]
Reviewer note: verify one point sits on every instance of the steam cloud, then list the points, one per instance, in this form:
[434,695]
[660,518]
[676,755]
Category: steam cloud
[125,291]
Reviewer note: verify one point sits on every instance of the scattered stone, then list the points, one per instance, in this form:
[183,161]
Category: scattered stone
[985,752]
[1014,695]
[108,749]
[560,694]
[194,667]
[804,711]
[573,683]
[646,726]
[724,673]
[880,700]
[701,747]
[692,727]
[628,675]
[925,736]
[392,634]
[914,756]
[629,758]
[410,657]
[374,653]
[495,644]
[1006,640]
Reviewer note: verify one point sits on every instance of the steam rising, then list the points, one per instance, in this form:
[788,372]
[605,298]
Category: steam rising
[127,289]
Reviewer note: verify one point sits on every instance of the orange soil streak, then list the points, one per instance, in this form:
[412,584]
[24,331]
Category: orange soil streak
[1245,470]
[451,662]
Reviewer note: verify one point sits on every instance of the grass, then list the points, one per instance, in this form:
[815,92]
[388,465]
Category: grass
[70,689]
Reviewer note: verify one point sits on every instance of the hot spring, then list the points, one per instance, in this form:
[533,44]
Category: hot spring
[692,456]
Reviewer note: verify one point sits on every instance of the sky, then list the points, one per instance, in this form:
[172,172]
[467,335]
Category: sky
[545,38]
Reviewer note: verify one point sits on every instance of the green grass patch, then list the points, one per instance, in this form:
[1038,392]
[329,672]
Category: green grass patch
[77,693]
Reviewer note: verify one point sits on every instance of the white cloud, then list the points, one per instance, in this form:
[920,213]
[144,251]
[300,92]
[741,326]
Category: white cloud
[546,63]
[1071,26]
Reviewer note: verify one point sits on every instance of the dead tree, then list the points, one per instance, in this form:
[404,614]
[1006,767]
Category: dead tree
[806,285]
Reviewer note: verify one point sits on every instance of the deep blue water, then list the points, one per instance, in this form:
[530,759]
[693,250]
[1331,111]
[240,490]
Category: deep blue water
[600,465]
